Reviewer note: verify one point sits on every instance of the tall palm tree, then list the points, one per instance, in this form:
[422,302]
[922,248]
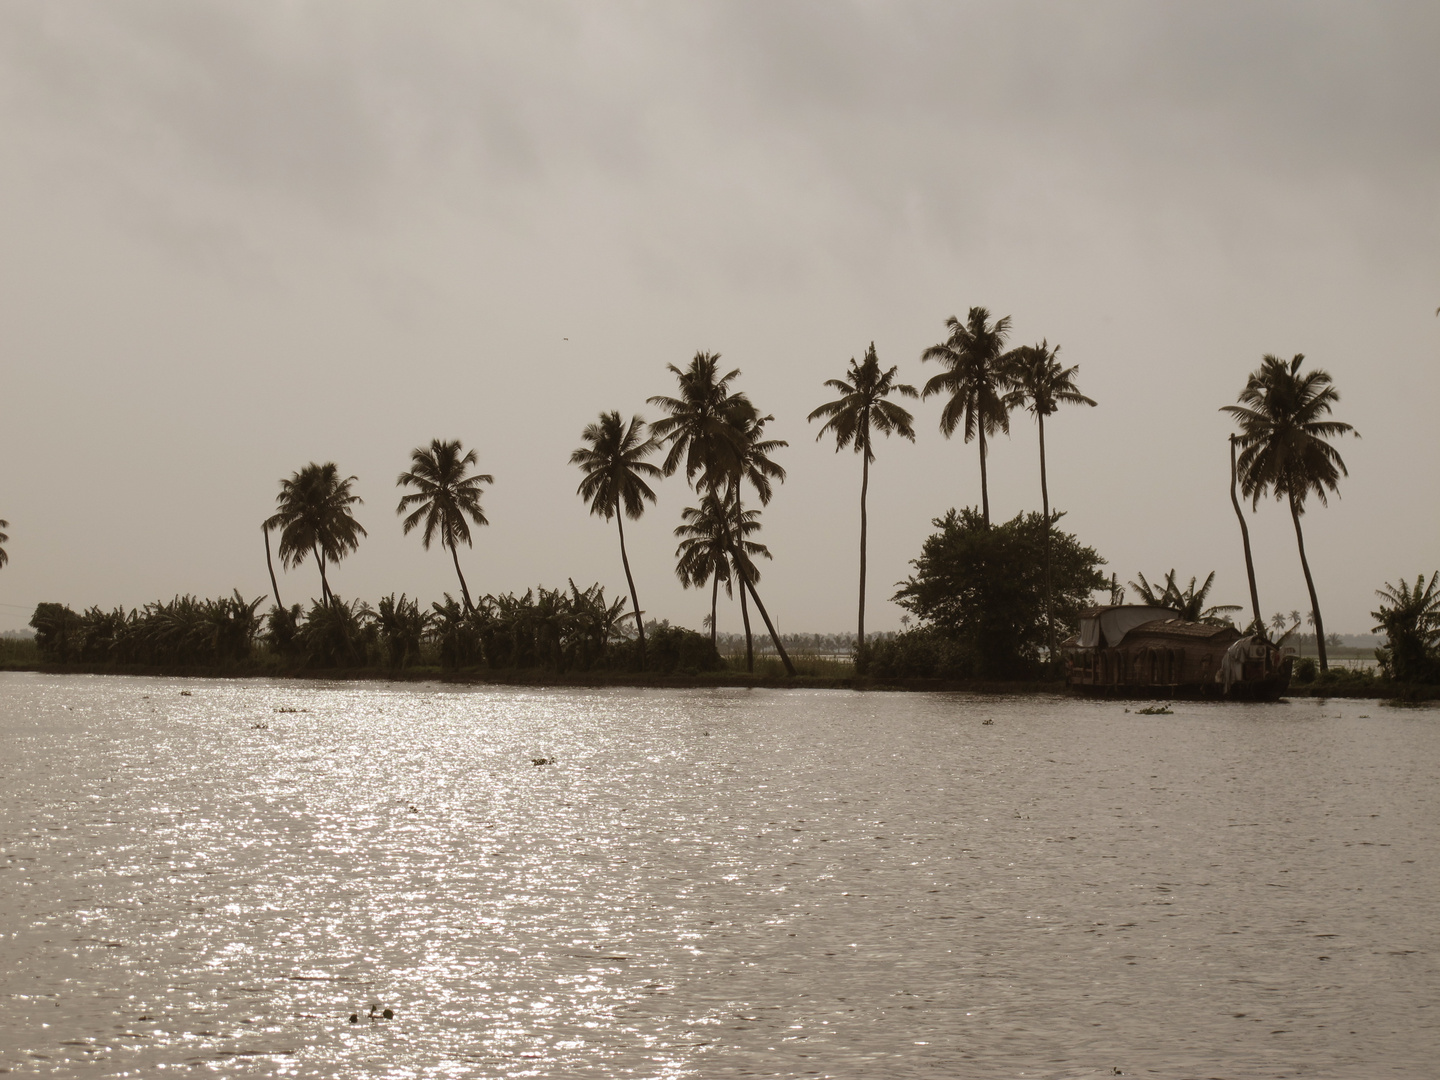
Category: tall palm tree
[445,494]
[850,418]
[615,471]
[4,539]
[1283,447]
[720,436]
[315,519]
[976,381]
[1042,386]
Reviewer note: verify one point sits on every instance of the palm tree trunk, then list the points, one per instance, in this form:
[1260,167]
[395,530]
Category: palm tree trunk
[1245,536]
[749,644]
[325,595]
[984,485]
[464,591]
[864,489]
[634,599]
[1045,507]
[269,565]
[784,656]
[1310,584]
[714,605]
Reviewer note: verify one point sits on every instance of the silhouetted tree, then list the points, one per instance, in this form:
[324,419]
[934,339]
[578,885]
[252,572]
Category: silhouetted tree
[615,471]
[314,519]
[1042,386]
[850,418]
[976,383]
[1283,447]
[446,493]
[4,539]
[1410,619]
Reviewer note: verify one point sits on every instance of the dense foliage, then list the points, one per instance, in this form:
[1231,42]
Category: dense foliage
[1410,619]
[185,631]
[555,630]
[979,593]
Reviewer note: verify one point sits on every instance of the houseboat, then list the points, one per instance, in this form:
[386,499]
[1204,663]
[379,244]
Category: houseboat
[1129,650]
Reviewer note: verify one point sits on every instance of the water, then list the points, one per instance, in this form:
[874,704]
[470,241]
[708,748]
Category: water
[709,884]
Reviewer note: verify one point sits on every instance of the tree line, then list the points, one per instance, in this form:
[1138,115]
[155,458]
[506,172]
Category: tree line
[1001,588]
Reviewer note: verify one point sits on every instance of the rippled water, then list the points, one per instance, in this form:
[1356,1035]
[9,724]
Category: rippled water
[216,875]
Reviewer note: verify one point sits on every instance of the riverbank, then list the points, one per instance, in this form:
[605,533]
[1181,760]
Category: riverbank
[1338,684]
[540,679]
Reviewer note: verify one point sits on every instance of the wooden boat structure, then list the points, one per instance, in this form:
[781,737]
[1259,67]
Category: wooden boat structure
[1134,651]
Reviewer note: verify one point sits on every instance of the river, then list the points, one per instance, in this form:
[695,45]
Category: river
[214,876]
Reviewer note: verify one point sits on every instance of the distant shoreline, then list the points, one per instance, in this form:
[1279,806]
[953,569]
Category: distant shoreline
[704,680]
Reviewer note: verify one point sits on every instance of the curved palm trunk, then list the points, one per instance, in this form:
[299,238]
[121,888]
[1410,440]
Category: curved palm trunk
[1045,507]
[325,594]
[464,590]
[1310,584]
[634,599]
[749,642]
[784,656]
[864,489]
[270,565]
[984,483]
[1245,536]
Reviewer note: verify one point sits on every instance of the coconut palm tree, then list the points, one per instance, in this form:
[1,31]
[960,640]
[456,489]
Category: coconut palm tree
[976,383]
[4,539]
[850,418]
[314,519]
[1410,619]
[1284,449]
[1278,623]
[615,472]
[700,423]
[1042,386]
[707,534]
[445,494]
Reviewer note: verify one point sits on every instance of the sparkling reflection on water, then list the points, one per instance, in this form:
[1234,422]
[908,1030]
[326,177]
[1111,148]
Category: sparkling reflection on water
[709,883]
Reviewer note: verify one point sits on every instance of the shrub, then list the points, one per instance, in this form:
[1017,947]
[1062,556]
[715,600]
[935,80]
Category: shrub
[1305,670]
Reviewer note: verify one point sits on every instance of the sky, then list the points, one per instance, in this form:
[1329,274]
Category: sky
[239,237]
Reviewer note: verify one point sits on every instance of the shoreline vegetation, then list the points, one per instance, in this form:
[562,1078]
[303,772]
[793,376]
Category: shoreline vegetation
[813,673]
[994,603]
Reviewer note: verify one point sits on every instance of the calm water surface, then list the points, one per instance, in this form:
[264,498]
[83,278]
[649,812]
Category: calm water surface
[212,876]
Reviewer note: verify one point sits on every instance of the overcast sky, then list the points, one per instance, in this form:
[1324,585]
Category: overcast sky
[237,237]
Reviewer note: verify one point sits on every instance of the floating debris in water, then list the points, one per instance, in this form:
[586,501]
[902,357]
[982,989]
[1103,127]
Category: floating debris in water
[988,720]
[186,693]
[1155,710]
[260,725]
[542,761]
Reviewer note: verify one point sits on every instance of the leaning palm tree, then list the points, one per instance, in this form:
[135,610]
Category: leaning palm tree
[4,539]
[445,494]
[1284,449]
[1042,386]
[615,471]
[976,383]
[314,518]
[850,418]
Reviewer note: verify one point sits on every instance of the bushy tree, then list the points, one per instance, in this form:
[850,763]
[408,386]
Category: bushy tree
[982,588]
[1410,619]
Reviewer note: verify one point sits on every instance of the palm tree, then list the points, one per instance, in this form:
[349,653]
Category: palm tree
[977,381]
[1278,623]
[707,535]
[850,417]
[314,518]
[1042,386]
[1189,601]
[446,494]
[615,470]
[720,435]
[1283,447]
[700,425]
[4,539]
